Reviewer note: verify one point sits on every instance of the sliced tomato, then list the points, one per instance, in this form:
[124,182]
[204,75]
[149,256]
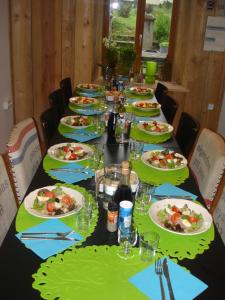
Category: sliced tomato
[50,206]
[73,156]
[168,156]
[67,200]
[175,209]
[78,148]
[175,217]
[154,157]
[192,219]
[49,194]
[66,149]
[157,129]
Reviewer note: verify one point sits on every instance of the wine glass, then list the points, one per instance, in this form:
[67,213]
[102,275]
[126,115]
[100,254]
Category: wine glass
[127,238]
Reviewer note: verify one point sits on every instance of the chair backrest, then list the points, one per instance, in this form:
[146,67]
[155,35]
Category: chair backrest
[169,108]
[24,153]
[160,91]
[67,92]
[208,162]
[49,122]
[56,99]
[8,206]
[187,131]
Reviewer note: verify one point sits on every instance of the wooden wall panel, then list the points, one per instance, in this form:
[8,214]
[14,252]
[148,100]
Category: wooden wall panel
[20,13]
[201,72]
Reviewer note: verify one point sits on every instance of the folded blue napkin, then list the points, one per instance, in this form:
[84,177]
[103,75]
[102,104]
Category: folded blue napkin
[82,135]
[185,285]
[88,111]
[150,147]
[169,189]
[46,248]
[71,177]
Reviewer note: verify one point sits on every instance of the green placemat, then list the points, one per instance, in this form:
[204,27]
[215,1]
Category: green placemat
[94,272]
[24,220]
[140,135]
[141,113]
[157,177]
[176,245]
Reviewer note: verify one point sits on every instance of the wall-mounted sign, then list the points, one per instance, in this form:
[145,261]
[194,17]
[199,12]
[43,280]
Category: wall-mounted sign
[215,34]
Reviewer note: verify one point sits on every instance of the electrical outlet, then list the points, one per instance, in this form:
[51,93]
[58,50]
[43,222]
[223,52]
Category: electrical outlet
[210,106]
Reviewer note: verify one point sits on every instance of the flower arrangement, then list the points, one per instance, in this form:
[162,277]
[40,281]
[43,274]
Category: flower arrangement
[112,51]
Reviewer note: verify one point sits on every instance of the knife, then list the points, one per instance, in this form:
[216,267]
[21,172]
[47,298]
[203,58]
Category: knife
[48,238]
[167,275]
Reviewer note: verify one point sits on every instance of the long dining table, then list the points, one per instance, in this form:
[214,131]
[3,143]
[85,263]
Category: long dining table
[18,263]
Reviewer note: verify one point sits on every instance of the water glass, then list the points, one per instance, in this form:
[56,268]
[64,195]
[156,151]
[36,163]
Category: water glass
[144,197]
[148,245]
[127,238]
[123,127]
[136,149]
[83,217]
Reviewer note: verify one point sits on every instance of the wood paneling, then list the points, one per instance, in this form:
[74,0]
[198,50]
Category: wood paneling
[51,40]
[201,72]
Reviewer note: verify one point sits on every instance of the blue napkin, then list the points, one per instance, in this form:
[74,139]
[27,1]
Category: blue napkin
[88,111]
[185,285]
[46,248]
[169,189]
[143,119]
[150,147]
[82,135]
[70,177]
[91,95]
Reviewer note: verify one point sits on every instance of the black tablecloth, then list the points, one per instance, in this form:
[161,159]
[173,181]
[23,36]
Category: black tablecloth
[17,264]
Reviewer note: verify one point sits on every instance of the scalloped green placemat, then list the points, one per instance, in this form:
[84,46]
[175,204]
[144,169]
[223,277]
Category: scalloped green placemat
[93,272]
[140,135]
[141,113]
[157,177]
[176,245]
[24,220]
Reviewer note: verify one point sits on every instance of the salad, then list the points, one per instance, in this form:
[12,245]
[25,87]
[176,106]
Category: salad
[181,219]
[147,104]
[88,86]
[70,151]
[54,202]
[155,127]
[166,159]
[141,90]
[77,120]
[82,100]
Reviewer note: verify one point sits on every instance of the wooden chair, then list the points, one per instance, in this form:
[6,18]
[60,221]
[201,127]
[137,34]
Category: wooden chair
[49,122]
[208,163]
[56,99]
[8,204]
[169,108]
[66,87]
[187,131]
[24,154]
[160,91]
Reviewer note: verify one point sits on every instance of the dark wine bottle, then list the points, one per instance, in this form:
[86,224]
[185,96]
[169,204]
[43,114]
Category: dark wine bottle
[124,191]
[111,125]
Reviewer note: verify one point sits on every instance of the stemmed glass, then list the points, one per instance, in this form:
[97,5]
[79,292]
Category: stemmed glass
[127,238]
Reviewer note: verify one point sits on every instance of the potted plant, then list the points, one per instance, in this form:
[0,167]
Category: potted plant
[127,56]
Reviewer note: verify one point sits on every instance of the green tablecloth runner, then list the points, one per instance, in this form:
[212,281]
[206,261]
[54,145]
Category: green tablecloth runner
[140,135]
[175,245]
[24,220]
[141,113]
[94,272]
[157,177]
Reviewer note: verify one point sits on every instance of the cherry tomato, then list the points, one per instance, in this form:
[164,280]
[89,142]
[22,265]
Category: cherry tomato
[73,156]
[67,200]
[66,149]
[154,157]
[78,148]
[175,209]
[175,217]
[49,194]
[157,129]
[50,206]
[168,156]
[192,219]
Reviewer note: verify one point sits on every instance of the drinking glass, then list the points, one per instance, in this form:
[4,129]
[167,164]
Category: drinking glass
[83,217]
[136,149]
[148,245]
[123,127]
[127,238]
[143,197]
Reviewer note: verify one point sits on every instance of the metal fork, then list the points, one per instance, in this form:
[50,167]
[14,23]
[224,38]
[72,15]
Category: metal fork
[60,234]
[159,272]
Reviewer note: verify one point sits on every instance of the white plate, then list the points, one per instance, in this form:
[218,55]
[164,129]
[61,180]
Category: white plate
[162,204]
[140,126]
[145,157]
[96,87]
[29,201]
[73,99]
[63,121]
[148,92]
[52,149]
[146,101]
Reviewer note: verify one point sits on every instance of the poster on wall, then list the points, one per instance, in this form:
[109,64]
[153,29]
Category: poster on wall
[215,34]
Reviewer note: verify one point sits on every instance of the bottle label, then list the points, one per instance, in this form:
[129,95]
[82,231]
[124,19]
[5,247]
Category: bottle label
[112,217]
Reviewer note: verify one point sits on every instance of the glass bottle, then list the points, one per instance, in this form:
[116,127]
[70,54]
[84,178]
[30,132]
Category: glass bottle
[111,124]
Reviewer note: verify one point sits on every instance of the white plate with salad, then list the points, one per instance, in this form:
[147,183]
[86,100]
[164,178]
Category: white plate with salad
[89,87]
[70,152]
[180,216]
[155,127]
[83,101]
[164,160]
[54,202]
[141,90]
[76,121]
[146,105]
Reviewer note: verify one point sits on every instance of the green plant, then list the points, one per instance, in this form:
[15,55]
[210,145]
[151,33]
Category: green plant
[162,27]
[112,51]
[127,54]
